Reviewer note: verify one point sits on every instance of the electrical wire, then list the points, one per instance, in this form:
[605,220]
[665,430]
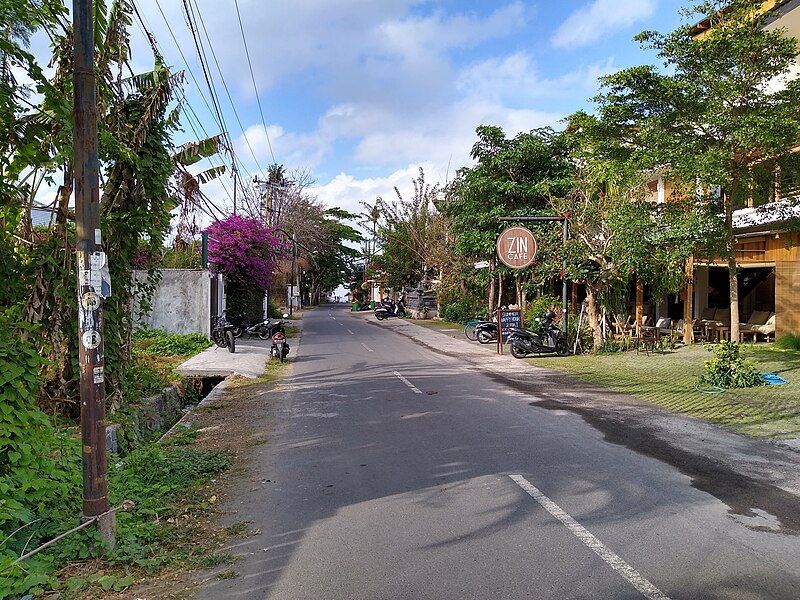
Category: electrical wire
[253,77]
[225,85]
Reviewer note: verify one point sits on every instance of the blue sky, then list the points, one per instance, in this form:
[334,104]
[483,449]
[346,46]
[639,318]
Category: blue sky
[360,93]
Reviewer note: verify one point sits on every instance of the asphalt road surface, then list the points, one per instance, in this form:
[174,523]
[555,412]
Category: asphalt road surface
[397,472]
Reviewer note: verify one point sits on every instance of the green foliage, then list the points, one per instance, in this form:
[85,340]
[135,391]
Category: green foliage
[162,481]
[790,341]
[539,306]
[729,368]
[245,303]
[461,311]
[183,256]
[273,311]
[162,343]
[334,262]
[32,480]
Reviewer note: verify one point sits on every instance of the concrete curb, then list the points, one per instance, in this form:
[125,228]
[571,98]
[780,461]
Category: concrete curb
[185,421]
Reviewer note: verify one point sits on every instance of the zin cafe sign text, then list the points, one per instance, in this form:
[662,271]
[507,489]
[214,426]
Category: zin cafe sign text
[516,247]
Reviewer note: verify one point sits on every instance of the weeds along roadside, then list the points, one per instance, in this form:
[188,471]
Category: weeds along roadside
[40,483]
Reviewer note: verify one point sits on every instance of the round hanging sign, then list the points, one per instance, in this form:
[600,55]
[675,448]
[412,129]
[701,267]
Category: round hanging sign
[516,247]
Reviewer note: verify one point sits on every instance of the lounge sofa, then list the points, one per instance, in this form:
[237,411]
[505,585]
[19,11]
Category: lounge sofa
[761,322]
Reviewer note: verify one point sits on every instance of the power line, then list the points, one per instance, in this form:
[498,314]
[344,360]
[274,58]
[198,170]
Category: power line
[225,85]
[253,77]
[144,26]
[183,56]
[201,54]
[198,44]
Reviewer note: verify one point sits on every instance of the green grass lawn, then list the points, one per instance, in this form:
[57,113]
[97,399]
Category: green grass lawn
[439,325]
[669,380]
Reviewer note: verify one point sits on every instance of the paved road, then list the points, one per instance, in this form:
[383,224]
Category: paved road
[395,472]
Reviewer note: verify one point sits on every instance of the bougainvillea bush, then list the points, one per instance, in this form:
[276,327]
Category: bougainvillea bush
[243,250]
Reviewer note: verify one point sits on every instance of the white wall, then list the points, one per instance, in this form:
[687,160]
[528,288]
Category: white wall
[181,303]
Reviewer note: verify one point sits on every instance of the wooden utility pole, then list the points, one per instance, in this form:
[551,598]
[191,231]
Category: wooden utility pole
[91,267]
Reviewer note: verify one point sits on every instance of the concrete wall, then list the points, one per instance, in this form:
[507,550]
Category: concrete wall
[181,303]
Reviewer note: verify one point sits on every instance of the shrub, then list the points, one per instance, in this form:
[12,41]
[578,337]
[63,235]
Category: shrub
[790,341]
[539,306]
[244,303]
[244,251]
[155,341]
[273,310]
[729,369]
[461,310]
[33,478]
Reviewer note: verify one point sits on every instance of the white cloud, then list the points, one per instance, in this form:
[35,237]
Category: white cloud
[515,79]
[600,18]
[348,192]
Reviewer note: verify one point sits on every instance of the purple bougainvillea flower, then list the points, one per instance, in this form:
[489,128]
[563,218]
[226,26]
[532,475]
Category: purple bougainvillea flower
[244,250]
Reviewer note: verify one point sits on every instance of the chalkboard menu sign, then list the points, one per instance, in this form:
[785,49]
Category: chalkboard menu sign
[507,320]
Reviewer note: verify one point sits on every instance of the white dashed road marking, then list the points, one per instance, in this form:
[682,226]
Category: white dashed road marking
[350,332]
[367,348]
[647,589]
[408,383]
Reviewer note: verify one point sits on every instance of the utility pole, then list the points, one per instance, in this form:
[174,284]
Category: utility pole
[91,267]
[234,187]
[294,259]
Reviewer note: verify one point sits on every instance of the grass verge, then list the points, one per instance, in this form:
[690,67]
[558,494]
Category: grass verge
[669,380]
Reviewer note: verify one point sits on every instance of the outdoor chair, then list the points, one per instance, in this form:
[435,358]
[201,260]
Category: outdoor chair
[750,327]
[719,325]
[768,328]
[649,340]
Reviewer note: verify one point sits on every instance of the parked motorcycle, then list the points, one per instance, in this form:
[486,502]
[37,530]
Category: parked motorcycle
[271,327]
[486,332]
[390,309]
[547,340]
[280,347]
[222,334]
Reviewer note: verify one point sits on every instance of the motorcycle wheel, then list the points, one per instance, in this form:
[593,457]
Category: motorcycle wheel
[263,333]
[380,316]
[469,332]
[231,341]
[561,348]
[238,330]
[518,352]
[219,339]
[484,337]
[281,355]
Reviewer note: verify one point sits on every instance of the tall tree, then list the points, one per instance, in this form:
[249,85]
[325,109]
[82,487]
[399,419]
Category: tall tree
[724,106]
[410,234]
[513,176]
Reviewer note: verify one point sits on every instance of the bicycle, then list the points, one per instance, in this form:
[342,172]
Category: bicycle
[469,329]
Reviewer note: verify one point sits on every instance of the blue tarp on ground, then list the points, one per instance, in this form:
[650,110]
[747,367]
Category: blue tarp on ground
[774,379]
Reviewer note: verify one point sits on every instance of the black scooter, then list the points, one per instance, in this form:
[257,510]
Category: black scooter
[390,309]
[548,339]
[486,332]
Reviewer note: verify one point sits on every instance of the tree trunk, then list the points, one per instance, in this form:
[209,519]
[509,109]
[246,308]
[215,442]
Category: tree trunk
[733,267]
[592,316]
[688,303]
[519,292]
[639,305]
[491,295]
[499,291]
